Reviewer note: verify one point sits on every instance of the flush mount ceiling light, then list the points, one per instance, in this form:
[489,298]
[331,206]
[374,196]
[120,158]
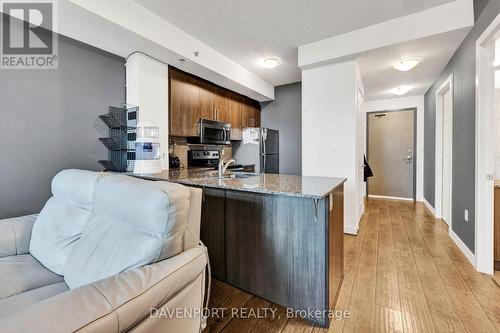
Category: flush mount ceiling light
[406,64]
[401,90]
[271,62]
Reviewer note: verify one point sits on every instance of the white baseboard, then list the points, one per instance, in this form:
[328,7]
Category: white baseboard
[351,230]
[388,197]
[429,207]
[465,250]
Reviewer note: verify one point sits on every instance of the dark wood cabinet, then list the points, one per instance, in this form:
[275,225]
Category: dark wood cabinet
[213,230]
[335,245]
[208,101]
[250,113]
[191,98]
[184,101]
[233,111]
[273,248]
[285,249]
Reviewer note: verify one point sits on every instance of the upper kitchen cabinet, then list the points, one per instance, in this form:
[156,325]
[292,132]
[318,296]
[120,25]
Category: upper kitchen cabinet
[233,113]
[184,101]
[192,98]
[250,113]
[208,100]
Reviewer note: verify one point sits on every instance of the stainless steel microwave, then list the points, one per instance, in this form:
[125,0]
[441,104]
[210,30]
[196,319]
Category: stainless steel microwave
[212,132]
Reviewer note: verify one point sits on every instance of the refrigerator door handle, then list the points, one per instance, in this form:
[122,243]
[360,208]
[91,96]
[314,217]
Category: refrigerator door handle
[264,152]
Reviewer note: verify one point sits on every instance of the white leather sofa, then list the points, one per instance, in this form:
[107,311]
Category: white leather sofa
[108,253]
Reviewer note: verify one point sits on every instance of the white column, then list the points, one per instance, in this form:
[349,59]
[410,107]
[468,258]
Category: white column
[329,130]
[147,88]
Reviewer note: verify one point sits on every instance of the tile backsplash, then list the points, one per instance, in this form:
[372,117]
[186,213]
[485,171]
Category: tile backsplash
[181,147]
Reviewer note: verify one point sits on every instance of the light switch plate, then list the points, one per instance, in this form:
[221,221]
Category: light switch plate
[466,215]
[333,149]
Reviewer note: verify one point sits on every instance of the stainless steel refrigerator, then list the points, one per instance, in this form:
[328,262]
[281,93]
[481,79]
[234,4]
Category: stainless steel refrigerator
[260,146]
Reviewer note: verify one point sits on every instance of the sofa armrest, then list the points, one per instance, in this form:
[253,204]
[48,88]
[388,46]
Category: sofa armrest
[15,235]
[114,304]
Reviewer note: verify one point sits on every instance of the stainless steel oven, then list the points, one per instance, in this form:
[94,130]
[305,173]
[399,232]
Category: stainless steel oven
[212,132]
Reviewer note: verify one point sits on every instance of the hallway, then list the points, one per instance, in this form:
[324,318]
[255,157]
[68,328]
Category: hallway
[403,273]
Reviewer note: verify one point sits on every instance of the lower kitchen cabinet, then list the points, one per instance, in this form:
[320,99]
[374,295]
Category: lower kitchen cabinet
[212,231]
[285,249]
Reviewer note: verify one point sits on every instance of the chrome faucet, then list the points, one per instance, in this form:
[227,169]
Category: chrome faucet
[222,167]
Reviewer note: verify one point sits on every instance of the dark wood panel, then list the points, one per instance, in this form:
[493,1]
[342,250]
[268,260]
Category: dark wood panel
[208,101]
[276,248]
[250,113]
[184,105]
[191,98]
[335,245]
[255,114]
[213,230]
[229,110]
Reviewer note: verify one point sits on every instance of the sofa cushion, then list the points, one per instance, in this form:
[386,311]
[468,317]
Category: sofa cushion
[19,302]
[134,223]
[15,235]
[22,273]
[63,217]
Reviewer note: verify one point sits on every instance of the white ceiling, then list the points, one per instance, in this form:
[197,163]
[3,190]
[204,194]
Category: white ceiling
[379,77]
[247,31]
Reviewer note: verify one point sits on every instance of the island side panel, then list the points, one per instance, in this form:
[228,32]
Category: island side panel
[335,245]
[276,248]
[213,230]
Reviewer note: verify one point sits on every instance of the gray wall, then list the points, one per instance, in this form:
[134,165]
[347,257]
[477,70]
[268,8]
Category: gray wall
[463,67]
[285,115]
[47,122]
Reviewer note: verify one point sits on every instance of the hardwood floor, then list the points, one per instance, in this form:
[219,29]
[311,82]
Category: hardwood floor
[403,273]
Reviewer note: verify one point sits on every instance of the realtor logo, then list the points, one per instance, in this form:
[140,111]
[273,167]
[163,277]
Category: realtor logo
[28,40]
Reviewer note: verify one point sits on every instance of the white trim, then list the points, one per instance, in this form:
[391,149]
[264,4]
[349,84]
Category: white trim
[465,250]
[406,103]
[428,206]
[389,197]
[351,230]
[485,105]
[438,203]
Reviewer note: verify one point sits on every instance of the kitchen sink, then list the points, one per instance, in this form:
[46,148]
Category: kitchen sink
[241,175]
[237,175]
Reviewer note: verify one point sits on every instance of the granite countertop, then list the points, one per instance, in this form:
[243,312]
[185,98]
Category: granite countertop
[298,186]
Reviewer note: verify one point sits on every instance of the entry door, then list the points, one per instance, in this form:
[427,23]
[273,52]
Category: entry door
[447,149]
[391,154]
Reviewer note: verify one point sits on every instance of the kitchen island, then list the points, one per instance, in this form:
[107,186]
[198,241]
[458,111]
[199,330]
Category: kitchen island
[279,237]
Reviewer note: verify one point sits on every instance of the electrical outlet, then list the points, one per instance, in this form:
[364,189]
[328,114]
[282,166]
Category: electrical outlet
[466,215]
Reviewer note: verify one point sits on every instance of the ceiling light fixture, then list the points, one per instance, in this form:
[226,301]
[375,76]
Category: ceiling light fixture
[406,65]
[271,62]
[401,90]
